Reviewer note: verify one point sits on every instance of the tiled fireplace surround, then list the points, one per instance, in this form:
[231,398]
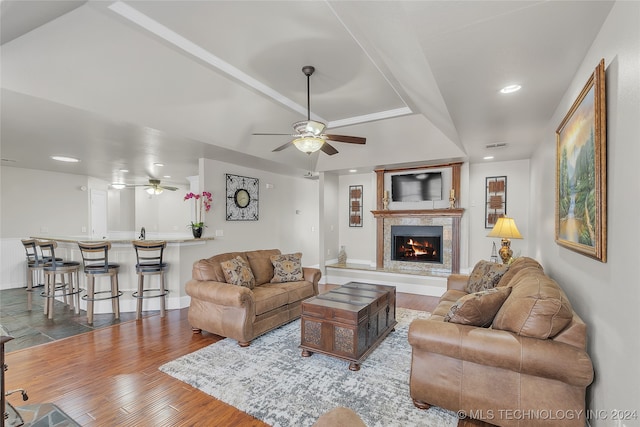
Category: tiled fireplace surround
[449,219]
[434,268]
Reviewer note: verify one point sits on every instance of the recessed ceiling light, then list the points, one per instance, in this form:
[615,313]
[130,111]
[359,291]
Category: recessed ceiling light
[158,164]
[487,158]
[166,176]
[118,185]
[510,89]
[65,159]
[353,170]
[124,170]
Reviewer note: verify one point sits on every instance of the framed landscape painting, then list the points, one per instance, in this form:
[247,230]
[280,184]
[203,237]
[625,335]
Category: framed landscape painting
[581,172]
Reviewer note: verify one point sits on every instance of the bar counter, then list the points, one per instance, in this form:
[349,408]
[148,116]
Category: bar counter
[180,254]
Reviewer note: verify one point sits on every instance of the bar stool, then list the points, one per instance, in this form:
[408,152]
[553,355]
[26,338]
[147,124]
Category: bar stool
[95,258]
[35,274]
[53,268]
[34,269]
[149,262]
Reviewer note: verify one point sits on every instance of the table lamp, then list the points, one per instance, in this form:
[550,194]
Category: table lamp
[506,229]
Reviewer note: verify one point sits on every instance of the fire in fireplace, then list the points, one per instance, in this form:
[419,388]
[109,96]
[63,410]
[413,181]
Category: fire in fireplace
[416,243]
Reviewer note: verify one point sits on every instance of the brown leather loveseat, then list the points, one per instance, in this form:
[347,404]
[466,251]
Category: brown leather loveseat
[255,304]
[526,366]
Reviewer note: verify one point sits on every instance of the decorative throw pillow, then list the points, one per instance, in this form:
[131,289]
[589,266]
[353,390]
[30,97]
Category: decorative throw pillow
[287,268]
[237,272]
[537,307]
[478,308]
[485,275]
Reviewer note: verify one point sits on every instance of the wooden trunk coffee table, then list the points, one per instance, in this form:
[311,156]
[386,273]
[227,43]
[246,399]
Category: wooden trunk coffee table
[348,322]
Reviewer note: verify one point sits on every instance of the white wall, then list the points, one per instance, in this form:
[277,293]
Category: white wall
[36,202]
[359,242]
[121,210]
[279,226]
[165,213]
[517,173]
[606,295]
[329,218]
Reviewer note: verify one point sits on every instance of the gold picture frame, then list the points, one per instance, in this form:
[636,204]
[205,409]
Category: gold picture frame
[581,172]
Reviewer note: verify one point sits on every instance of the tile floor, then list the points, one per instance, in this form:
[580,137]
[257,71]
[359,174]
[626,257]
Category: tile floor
[31,328]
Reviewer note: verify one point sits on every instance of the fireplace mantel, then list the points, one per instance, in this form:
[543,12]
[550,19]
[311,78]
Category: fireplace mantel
[390,213]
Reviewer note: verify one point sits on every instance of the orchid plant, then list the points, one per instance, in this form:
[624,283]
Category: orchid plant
[202,205]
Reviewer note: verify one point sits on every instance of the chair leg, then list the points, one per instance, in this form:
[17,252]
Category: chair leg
[115,300]
[64,286]
[51,294]
[163,297]
[46,293]
[90,296]
[140,294]
[77,292]
[29,288]
[69,290]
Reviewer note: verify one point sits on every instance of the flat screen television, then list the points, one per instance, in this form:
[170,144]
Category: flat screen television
[416,187]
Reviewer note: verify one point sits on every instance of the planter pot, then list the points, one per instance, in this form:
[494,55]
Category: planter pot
[197,232]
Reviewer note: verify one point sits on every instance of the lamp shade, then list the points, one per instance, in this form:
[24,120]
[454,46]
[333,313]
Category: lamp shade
[308,144]
[505,228]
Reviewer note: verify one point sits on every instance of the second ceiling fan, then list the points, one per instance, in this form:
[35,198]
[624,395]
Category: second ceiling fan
[309,135]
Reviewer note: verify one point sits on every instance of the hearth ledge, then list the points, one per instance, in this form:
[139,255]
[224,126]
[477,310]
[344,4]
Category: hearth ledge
[412,282]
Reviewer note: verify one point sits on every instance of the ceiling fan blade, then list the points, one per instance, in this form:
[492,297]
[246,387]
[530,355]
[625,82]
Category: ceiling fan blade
[282,147]
[345,138]
[166,187]
[328,149]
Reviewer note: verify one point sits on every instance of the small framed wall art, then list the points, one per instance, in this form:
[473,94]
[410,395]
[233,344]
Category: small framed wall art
[355,206]
[242,198]
[495,204]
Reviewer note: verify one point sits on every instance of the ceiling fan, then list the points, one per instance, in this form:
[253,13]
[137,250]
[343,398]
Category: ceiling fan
[154,187]
[309,136]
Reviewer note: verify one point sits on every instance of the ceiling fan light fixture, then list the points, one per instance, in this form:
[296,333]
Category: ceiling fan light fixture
[309,127]
[154,190]
[308,144]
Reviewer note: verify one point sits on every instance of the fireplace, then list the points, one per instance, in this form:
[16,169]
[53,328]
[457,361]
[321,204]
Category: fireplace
[416,243]
[446,223]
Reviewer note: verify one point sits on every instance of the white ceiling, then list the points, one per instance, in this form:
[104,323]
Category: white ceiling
[122,85]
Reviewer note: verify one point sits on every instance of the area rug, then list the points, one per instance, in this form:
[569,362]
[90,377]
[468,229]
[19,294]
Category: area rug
[272,382]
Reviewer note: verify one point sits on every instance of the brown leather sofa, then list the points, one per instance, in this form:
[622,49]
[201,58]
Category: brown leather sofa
[241,313]
[529,367]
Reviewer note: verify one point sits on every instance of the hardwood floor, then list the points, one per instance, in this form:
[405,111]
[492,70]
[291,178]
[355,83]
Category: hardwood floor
[110,376]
